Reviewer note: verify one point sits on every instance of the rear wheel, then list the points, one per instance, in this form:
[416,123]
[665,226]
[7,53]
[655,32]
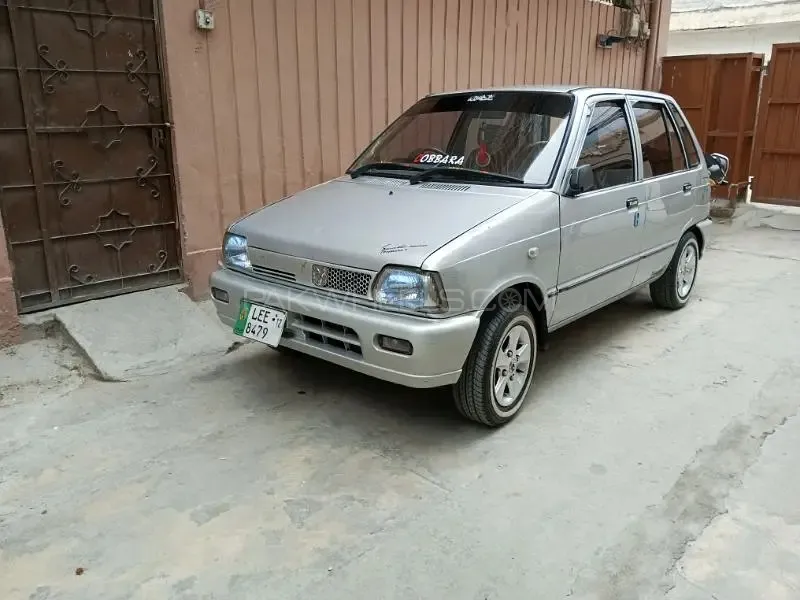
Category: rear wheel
[499,369]
[673,289]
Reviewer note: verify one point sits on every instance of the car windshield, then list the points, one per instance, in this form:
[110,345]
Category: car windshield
[517,135]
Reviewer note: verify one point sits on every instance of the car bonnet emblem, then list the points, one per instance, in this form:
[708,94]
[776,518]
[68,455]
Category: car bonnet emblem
[319,275]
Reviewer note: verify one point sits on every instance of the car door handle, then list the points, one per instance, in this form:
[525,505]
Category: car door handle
[632,203]
[687,187]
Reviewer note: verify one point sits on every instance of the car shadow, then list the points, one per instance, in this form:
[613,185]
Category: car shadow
[295,382]
[592,334]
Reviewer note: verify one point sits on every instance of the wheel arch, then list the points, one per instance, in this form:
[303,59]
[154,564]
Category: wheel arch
[701,238]
[531,295]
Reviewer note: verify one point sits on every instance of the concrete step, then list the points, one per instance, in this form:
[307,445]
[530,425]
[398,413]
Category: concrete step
[142,333]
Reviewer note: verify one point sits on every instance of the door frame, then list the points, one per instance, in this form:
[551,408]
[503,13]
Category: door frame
[571,159]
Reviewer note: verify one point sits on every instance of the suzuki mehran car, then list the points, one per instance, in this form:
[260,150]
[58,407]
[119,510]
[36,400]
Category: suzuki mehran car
[474,225]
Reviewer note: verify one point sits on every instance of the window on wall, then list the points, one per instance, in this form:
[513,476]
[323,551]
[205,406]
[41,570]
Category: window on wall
[608,147]
[661,149]
[692,154]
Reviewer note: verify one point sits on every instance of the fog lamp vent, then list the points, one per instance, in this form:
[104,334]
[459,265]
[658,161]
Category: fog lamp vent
[220,295]
[396,345]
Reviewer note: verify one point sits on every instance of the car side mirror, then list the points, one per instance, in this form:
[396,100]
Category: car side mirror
[581,180]
[718,165]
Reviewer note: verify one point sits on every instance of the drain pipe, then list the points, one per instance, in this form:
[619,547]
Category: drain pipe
[659,30]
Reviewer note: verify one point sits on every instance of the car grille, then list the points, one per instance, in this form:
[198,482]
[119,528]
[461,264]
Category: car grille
[355,283]
[330,335]
[332,278]
[278,274]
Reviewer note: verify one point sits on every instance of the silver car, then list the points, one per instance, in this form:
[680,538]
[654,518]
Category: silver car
[476,224]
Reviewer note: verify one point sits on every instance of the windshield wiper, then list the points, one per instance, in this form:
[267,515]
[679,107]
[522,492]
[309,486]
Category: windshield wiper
[463,172]
[383,166]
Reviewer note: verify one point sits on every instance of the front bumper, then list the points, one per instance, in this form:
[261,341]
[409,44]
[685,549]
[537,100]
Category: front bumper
[345,333]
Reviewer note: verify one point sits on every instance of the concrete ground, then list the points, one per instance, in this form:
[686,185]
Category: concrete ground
[657,458]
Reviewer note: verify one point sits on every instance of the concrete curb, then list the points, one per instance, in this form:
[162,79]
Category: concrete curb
[141,334]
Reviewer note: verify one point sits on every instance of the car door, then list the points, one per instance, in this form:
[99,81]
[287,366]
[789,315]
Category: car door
[600,234]
[697,173]
[670,185]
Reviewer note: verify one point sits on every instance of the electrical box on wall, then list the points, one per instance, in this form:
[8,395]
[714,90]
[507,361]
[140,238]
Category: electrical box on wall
[633,26]
[205,19]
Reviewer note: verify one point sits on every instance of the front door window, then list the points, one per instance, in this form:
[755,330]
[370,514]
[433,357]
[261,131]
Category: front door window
[608,147]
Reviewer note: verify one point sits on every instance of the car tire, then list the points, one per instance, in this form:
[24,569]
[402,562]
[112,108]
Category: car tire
[674,288]
[474,393]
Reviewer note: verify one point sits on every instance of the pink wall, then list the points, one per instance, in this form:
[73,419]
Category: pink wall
[283,93]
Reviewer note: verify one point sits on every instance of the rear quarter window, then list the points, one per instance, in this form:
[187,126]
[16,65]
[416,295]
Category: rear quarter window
[683,130]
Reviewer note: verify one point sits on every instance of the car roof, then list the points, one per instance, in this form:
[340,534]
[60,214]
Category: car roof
[581,91]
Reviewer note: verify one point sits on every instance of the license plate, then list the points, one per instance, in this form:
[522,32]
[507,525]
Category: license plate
[260,323]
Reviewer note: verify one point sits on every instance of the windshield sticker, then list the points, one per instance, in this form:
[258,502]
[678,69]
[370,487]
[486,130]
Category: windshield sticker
[439,159]
[481,98]
[392,248]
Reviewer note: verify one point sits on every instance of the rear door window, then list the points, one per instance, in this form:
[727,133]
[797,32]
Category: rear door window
[662,153]
[688,143]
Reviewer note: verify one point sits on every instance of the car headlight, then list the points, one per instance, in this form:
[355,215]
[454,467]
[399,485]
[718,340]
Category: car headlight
[411,289]
[234,251]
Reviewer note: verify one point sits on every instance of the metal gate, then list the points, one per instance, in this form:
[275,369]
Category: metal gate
[777,156]
[719,94]
[85,169]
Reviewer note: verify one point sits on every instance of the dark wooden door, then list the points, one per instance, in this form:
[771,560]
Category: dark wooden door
[85,169]
[719,94]
[777,156]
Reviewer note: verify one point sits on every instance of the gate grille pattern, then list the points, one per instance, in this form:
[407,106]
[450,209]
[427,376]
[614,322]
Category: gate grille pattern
[85,185]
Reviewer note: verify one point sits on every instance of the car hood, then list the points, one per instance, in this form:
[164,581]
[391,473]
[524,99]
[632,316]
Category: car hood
[370,222]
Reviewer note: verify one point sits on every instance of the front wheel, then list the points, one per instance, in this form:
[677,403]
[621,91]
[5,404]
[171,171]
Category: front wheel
[499,369]
[673,288]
